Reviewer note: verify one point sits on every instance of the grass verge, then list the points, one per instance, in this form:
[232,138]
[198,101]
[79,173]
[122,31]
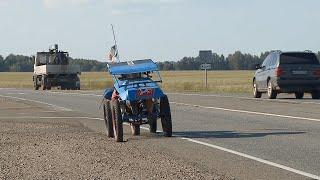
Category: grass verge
[173,81]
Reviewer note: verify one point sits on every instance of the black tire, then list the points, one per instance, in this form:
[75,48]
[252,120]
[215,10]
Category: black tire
[256,93]
[35,83]
[44,83]
[153,124]
[315,95]
[166,120]
[272,94]
[299,95]
[135,129]
[107,114]
[117,121]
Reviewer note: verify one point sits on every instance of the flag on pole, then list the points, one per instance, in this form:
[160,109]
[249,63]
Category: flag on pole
[113,53]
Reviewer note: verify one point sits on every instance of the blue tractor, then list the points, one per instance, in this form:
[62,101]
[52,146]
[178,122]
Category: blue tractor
[135,99]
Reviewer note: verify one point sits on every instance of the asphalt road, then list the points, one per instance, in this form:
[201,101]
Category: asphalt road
[236,136]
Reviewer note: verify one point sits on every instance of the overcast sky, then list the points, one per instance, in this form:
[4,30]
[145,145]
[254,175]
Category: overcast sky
[158,29]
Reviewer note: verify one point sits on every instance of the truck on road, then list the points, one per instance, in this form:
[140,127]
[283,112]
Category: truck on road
[52,69]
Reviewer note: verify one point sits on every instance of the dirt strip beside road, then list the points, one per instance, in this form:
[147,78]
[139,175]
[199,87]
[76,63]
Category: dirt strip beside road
[33,148]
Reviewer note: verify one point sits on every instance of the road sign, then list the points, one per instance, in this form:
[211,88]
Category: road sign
[205,66]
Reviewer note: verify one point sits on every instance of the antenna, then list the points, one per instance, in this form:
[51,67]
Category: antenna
[115,43]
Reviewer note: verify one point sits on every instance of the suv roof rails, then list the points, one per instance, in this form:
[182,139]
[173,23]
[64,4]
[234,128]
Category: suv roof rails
[309,51]
[279,51]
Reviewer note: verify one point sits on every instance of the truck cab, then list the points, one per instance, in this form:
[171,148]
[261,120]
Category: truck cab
[52,69]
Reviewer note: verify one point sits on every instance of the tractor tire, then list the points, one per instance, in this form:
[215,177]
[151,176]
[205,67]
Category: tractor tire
[107,115]
[135,129]
[117,121]
[166,120]
[153,124]
[315,95]
[299,95]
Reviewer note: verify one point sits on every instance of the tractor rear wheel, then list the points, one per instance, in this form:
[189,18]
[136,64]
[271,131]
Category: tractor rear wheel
[108,118]
[166,120]
[117,121]
[135,129]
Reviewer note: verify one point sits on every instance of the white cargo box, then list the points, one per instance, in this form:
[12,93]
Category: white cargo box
[57,69]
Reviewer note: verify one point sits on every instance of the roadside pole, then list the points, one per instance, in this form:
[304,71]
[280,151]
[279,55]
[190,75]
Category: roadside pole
[205,67]
[206,78]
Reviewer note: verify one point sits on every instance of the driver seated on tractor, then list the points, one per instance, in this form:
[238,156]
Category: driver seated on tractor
[112,94]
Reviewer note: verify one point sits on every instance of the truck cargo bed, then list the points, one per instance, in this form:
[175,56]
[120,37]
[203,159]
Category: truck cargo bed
[57,69]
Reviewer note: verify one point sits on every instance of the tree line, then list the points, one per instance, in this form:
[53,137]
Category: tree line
[20,63]
[235,61]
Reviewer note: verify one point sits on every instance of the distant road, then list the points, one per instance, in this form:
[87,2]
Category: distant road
[237,136]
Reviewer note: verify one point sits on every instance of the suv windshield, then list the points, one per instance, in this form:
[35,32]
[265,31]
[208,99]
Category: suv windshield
[298,58]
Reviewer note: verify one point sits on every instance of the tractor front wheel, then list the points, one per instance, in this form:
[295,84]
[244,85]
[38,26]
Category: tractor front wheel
[135,129]
[107,114]
[117,121]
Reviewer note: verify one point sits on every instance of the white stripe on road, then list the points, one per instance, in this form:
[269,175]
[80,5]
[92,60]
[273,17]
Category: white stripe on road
[211,145]
[219,108]
[40,102]
[248,112]
[44,117]
[246,98]
[255,158]
[194,141]
[216,108]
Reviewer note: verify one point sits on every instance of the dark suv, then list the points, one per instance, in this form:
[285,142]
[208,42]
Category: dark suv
[288,72]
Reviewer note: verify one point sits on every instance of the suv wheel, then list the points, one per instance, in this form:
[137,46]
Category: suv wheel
[299,95]
[272,94]
[256,93]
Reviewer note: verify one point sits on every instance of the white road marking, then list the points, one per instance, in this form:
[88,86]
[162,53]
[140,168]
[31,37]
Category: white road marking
[40,102]
[211,145]
[255,158]
[194,141]
[44,117]
[306,174]
[248,112]
[246,98]
[81,94]
[201,95]
[219,108]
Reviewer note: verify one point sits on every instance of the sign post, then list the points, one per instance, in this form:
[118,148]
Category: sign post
[205,67]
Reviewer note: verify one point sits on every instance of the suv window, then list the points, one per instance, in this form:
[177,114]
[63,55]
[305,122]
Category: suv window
[273,61]
[266,62]
[298,58]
